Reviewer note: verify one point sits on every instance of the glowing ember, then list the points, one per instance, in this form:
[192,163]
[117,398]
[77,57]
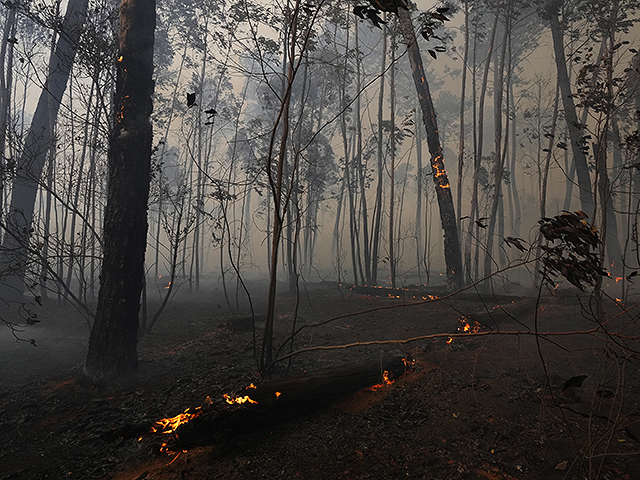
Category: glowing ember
[278,394]
[450,340]
[169,425]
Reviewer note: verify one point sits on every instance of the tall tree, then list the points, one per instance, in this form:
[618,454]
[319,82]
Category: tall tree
[114,334]
[452,253]
[36,147]
[552,14]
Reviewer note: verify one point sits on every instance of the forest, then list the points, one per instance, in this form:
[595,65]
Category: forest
[319,239]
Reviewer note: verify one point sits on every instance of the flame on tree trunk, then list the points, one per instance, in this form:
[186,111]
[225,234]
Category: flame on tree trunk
[452,253]
[113,340]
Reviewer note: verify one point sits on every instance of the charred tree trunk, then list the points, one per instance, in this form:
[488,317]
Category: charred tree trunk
[114,335]
[452,254]
[279,401]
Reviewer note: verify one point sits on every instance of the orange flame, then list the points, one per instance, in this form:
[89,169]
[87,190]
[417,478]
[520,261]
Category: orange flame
[169,425]
[468,325]
[239,400]
[386,380]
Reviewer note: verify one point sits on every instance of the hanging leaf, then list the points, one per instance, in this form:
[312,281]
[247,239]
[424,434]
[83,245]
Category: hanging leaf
[432,53]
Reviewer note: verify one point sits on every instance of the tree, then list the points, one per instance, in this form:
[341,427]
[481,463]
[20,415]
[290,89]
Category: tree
[36,147]
[114,334]
[452,253]
[551,13]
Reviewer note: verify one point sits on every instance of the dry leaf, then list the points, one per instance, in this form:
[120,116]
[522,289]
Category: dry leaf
[562,465]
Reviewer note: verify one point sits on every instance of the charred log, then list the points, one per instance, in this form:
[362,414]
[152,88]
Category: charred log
[278,401]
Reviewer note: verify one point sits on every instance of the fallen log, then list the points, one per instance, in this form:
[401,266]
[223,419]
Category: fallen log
[274,402]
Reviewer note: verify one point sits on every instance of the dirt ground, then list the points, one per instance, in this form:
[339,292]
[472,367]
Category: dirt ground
[475,407]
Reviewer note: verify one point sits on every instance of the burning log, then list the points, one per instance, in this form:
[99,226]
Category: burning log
[275,402]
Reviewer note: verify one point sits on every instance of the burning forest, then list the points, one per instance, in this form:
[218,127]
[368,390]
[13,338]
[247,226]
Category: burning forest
[373,239]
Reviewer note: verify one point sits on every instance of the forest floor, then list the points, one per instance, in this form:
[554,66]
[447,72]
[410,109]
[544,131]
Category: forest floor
[483,407]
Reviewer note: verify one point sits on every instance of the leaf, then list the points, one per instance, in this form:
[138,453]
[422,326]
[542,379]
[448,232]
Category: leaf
[562,465]
[432,53]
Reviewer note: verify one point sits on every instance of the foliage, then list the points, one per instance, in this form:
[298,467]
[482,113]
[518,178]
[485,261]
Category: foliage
[573,251]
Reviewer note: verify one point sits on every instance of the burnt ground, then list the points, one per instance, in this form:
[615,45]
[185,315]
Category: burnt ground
[484,407]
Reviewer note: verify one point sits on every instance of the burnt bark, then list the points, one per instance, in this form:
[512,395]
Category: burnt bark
[283,400]
[114,334]
[452,253]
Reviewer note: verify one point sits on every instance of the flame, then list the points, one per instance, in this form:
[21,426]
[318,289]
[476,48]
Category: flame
[468,325]
[440,174]
[386,380]
[169,425]
[409,362]
[239,400]
[278,394]
[450,340]
[168,286]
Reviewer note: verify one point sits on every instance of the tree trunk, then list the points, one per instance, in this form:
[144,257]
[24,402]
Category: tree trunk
[36,147]
[575,130]
[462,100]
[377,211]
[114,335]
[498,80]
[475,207]
[392,155]
[452,254]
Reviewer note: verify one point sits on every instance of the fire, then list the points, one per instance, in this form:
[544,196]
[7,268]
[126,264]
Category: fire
[169,425]
[450,340]
[386,380]
[440,172]
[239,400]
[468,325]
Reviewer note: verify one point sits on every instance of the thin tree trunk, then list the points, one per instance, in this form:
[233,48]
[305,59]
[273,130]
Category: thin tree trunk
[36,147]
[452,253]
[475,210]
[392,166]
[499,157]
[463,90]
[377,211]
[575,128]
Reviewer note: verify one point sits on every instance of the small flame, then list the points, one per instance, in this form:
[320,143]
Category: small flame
[450,340]
[239,400]
[169,425]
[278,394]
[468,325]
[386,380]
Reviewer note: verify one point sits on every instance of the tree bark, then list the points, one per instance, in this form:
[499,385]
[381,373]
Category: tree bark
[575,130]
[114,335]
[452,254]
[35,150]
